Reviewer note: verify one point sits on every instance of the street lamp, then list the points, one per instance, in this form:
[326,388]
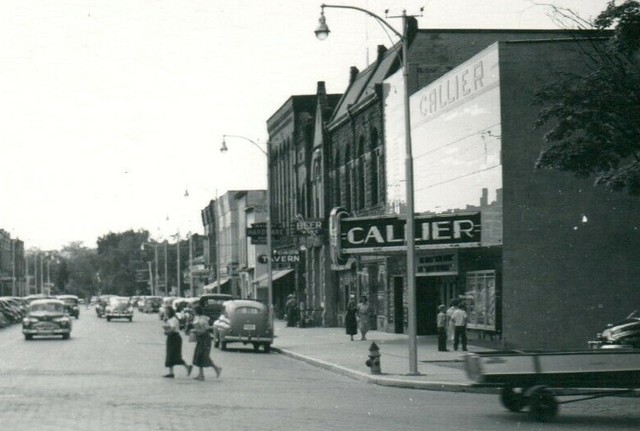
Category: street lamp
[322,32]
[154,286]
[224,149]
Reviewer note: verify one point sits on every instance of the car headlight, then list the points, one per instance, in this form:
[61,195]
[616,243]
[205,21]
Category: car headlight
[29,320]
[108,309]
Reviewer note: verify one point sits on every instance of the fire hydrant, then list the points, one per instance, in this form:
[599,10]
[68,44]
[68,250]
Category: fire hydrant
[374,359]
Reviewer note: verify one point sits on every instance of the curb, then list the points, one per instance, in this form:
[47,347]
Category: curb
[388,381]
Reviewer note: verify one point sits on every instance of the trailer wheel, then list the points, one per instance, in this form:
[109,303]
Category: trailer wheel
[512,400]
[542,404]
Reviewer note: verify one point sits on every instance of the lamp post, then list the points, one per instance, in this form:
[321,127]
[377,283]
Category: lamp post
[322,32]
[223,149]
[154,285]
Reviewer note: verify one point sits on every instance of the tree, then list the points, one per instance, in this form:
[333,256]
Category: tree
[594,117]
[119,259]
[77,270]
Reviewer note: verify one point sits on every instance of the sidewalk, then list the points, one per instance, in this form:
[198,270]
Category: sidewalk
[330,348]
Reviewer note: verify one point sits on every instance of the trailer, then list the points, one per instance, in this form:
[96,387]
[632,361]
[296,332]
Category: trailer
[537,379]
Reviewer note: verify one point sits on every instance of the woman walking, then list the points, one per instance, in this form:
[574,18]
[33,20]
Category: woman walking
[350,319]
[364,312]
[202,353]
[174,344]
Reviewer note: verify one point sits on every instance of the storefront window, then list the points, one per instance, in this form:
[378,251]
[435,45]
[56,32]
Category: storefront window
[480,299]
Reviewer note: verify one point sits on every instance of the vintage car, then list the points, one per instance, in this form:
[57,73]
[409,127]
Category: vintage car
[243,321]
[71,304]
[624,334]
[211,304]
[101,305]
[119,307]
[46,317]
[151,304]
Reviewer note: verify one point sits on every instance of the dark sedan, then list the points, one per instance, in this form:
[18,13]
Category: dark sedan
[46,317]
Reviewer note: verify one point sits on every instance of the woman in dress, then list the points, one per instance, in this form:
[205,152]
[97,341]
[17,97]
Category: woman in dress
[174,344]
[350,319]
[364,312]
[201,355]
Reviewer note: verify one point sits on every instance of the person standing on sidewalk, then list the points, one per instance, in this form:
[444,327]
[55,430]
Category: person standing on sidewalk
[460,322]
[174,344]
[364,314]
[450,326]
[202,352]
[350,317]
[442,320]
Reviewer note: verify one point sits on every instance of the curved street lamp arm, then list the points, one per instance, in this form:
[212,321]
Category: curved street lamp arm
[241,137]
[371,14]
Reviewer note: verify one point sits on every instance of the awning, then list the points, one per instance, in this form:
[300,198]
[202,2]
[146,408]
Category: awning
[213,286]
[275,275]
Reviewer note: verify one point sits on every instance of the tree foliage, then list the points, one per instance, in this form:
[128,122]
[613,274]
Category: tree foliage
[594,117]
[120,259]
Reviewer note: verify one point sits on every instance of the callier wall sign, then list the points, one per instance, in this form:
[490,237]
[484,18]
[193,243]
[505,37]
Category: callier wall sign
[382,234]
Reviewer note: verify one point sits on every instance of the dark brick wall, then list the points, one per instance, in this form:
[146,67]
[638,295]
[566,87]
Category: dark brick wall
[563,279]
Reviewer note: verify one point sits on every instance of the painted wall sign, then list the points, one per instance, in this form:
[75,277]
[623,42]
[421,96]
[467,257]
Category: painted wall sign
[376,234]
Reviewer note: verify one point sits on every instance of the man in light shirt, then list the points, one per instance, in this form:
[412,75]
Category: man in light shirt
[459,318]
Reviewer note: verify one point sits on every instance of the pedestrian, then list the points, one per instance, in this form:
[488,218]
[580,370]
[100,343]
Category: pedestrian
[364,314]
[291,311]
[442,321]
[202,352]
[460,332]
[350,317]
[450,326]
[174,344]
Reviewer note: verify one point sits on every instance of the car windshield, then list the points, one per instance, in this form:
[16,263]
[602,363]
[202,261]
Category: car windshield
[118,301]
[70,300]
[47,307]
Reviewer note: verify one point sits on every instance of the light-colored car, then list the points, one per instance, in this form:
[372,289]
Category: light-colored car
[46,317]
[71,303]
[119,307]
[243,321]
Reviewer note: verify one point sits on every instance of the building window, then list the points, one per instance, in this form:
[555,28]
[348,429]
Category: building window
[336,178]
[374,169]
[347,176]
[480,299]
[360,175]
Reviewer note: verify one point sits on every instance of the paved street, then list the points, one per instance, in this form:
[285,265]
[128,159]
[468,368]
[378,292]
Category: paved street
[108,376]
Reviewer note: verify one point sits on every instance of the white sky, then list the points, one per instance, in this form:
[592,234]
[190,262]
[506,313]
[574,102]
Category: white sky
[111,109]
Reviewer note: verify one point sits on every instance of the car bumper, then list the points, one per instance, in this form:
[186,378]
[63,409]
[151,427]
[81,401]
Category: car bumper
[58,331]
[247,339]
[119,315]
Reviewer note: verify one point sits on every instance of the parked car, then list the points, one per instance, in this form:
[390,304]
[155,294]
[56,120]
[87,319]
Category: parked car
[151,304]
[243,321]
[624,334]
[119,307]
[71,304]
[11,310]
[46,317]
[212,303]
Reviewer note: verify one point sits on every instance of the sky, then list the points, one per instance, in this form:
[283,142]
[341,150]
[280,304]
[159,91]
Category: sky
[113,111]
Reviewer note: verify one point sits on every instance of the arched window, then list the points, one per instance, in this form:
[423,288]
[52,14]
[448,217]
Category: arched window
[336,181]
[360,174]
[348,172]
[375,168]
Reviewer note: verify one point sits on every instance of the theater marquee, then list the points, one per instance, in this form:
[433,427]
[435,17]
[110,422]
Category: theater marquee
[382,234]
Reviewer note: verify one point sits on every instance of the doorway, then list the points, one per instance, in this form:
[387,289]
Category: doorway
[427,301]
[398,305]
